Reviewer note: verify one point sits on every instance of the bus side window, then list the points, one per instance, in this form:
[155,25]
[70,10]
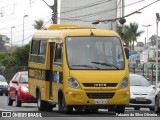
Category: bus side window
[58,54]
[42,52]
[34,51]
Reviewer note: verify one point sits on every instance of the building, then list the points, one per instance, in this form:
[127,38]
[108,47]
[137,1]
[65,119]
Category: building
[85,12]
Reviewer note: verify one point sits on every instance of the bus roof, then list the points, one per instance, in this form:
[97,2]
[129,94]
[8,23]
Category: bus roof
[61,30]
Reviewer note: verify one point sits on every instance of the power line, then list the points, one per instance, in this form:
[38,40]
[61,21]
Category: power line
[130,13]
[30,35]
[105,11]
[25,22]
[87,6]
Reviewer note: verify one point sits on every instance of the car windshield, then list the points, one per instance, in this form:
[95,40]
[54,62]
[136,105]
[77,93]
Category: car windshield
[24,78]
[137,80]
[94,53]
[2,78]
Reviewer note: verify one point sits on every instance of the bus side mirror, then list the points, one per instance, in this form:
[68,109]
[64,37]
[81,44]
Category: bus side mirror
[127,52]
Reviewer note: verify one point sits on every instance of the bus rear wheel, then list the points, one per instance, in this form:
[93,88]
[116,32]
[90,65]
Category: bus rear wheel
[40,103]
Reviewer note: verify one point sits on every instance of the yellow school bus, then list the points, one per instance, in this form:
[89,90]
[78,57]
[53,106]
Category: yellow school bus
[78,68]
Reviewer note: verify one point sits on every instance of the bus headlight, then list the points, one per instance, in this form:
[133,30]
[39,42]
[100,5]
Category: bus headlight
[124,83]
[73,83]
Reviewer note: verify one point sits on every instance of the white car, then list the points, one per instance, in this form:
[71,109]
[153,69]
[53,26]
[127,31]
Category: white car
[142,93]
[3,86]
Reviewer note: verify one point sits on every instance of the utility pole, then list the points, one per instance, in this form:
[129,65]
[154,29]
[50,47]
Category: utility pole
[54,11]
[122,21]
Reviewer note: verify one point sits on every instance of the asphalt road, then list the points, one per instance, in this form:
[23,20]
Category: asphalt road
[31,110]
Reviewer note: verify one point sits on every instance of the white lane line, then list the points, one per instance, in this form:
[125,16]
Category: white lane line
[5,110]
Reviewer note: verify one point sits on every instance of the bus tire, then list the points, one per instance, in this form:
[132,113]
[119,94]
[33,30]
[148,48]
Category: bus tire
[120,109]
[62,107]
[95,110]
[40,103]
[111,108]
[78,108]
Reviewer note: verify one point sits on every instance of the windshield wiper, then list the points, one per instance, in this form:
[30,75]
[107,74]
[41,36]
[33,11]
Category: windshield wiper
[106,64]
[88,66]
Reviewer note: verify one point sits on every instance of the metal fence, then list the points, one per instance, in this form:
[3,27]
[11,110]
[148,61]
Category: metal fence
[8,73]
[148,70]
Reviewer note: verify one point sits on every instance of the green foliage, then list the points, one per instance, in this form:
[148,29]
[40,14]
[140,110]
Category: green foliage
[18,58]
[38,24]
[131,33]
[21,55]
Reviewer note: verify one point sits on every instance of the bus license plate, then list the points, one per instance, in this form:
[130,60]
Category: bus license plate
[100,101]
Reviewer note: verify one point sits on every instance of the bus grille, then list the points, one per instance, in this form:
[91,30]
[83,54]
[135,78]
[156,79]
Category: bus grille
[100,95]
[100,84]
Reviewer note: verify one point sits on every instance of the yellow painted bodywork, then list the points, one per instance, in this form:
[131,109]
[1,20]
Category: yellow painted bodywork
[78,96]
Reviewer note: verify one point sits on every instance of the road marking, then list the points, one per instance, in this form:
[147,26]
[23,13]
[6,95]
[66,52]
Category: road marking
[5,110]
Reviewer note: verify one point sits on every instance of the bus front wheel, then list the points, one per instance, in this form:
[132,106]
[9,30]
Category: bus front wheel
[62,105]
[120,109]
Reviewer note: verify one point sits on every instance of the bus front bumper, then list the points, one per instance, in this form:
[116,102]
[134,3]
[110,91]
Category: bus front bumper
[80,97]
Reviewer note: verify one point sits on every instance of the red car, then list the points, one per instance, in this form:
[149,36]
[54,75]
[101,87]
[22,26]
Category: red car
[18,90]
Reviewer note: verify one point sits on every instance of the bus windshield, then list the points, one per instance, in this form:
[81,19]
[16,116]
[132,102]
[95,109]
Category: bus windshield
[94,53]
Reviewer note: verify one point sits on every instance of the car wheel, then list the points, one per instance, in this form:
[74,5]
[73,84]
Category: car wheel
[17,102]
[120,109]
[151,108]
[1,94]
[62,105]
[9,100]
[156,107]
[6,94]
[136,108]
[40,103]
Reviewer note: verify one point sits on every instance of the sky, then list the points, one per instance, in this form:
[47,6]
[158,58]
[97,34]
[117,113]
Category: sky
[14,10]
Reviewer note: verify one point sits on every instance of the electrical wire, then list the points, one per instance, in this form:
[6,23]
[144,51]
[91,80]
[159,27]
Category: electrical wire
[130,13]
[87,6]
[104,11]
[26,22]
[31,35]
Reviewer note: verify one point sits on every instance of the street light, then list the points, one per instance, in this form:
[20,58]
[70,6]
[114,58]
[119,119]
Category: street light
[23,29]
[147,38]
[157,20]
[11,35]
[147,29]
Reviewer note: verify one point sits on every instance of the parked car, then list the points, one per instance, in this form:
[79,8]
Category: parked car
[157,99]
[3,86]
[142,93]
[18,90]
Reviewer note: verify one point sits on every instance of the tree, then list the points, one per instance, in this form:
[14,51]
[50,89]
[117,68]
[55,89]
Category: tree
[18,58]
[21,55]
[131,34]
[3,39]
[38,24]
